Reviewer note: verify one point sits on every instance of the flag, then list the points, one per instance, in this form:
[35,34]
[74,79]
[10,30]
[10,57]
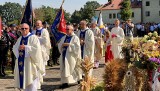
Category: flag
[0,26]
[100,22]
[28,14]
[59,26]
[94,19]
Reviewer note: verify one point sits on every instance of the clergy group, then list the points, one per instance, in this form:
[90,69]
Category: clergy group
[32,51]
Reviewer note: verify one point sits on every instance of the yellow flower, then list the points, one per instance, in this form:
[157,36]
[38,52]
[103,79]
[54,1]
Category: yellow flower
[150,34]
[153,38]
[131,59]
[156,53]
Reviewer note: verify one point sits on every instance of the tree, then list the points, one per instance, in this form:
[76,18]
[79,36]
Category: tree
[126,10]
[87,12]
[67,16]
[48,14]
[11,12]
[45,14]
[76,17]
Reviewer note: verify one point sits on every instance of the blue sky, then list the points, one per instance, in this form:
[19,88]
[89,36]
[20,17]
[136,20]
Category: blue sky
[69,5]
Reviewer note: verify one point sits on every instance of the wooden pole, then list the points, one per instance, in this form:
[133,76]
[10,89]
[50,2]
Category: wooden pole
[62,3]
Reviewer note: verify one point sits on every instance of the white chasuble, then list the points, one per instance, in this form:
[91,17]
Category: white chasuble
[28,61]
[87,49]
[117,41]
[44,39]
[70,72]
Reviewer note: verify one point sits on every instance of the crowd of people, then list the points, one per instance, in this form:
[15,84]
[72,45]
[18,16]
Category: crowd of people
[145,28]
[31,50]
[140,29]
[9,36]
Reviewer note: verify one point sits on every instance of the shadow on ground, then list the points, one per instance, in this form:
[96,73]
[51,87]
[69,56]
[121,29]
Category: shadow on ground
[49,87]
[51,79]
[54,87]
[7,77]
[10,88]
[101,65]
[56,68]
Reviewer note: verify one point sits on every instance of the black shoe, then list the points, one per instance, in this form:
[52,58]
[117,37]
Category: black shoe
[3,71]
[2,75]
[65,85]
[57,63]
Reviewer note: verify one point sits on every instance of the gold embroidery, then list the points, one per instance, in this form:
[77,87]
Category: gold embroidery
[21,73]
[21,63]
[21,54]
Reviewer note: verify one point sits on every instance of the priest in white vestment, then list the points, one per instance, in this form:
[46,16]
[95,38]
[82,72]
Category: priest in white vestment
[98,43]
[28,61]
[117,37]
[43,36]
[69,47]
[87,42]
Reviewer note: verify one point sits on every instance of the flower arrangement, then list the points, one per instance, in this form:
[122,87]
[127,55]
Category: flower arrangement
[144,52]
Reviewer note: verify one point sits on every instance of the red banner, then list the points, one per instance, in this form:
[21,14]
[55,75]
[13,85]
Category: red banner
[62,23]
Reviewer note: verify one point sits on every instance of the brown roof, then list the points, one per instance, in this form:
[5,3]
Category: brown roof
[115,5]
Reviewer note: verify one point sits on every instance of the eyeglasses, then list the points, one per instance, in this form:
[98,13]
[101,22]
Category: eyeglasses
[24,28]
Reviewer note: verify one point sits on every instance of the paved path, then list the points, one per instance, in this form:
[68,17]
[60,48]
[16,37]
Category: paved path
[51,80]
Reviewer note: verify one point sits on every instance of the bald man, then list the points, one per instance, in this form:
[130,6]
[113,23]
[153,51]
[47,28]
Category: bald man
[117,37]
[69,48]
[87,42]
[44,39]
[28,61]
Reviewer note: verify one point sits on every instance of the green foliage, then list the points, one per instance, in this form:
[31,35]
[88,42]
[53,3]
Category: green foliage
[48,14]
[45,14]
[99,87]
[11,12]
[126,11]
[76,17]
[14,22]
[87,12]
[67,16]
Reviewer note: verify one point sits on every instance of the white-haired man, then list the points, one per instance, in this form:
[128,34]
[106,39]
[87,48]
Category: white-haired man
[69,48]
[28,65]
[117,37]
[44,39]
